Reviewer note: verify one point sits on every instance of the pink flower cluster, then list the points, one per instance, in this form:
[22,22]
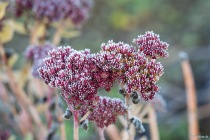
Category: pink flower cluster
[79,74]
[105,111]
[4,134]
[56,10]
[151,45]
[134,71]
[22,5]
[36,54]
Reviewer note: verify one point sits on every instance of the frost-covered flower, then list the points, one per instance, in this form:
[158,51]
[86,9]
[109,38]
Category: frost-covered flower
[53,10]
[37,54]
[105,111]
[151,45]
[56,10]
[79,74]
[133,69]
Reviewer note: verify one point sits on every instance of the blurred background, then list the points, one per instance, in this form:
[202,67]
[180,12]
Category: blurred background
[184,25]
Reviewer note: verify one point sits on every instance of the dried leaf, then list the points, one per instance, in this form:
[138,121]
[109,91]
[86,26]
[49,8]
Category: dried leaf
[12,60]
[23,75]
[3,6]
[40,30]
[29,136]
[6,33]
[69,34]
[67,24]
[20,28]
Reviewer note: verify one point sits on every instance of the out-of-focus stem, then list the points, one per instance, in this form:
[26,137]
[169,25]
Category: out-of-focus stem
[38,35]
[33,38]
[60,118]
[23,99]
[101,133]
[49,100]
[191,96]
[20,95]
[57,34]
[153,124]
[39,86]
[85,116]
[113,132]
[76,125]
[24,73]
[127,102]
[4,97]
[2,53]
[144,111]
[63,131]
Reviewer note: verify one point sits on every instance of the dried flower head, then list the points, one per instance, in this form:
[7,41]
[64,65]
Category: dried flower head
[37,54]
[151,45]
[105,111]
[134,71]
[67,115]
[55,10]
[79,74]
[84,124]
[22,6]
[137,124]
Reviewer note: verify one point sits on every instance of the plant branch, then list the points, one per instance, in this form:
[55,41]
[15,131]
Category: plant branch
[85,116]
[76,125]
[191,96]
[20,95]
[127,102]
[113,132]
[101,133]
[153,124]
[57,34]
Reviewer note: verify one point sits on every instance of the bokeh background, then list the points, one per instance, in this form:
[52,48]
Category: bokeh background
[184,25]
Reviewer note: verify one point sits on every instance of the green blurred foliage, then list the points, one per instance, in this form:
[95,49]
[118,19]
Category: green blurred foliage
[83,135]
[177,131]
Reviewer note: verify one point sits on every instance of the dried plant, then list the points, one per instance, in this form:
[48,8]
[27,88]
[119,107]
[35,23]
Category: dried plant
[79,74]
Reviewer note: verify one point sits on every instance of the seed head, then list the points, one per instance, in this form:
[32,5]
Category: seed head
[79,74]
[137,124]
[67,115]
[134,95]
[84,124]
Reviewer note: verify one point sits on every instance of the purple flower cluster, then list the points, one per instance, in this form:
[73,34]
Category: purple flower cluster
[4,134]
[56,10]
[105,111]
[37,54]
[79,74]
[23,5]
[151,45]
[134,71]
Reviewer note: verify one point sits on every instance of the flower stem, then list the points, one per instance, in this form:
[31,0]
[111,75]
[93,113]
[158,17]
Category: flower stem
[127,100]
[191,96]
[85,116]
[127,103]
[76,125]
[101,133]
[20,95]
[57,35]
[153,124]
